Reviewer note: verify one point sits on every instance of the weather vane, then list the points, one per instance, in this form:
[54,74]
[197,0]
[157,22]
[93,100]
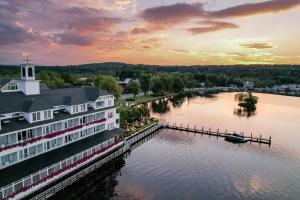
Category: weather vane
[27,59]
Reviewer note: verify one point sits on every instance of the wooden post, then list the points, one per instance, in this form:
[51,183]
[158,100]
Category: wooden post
[270,140]
[251,136]
[260,138]
[218,133]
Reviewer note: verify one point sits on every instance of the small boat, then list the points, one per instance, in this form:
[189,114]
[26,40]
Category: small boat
[236,138]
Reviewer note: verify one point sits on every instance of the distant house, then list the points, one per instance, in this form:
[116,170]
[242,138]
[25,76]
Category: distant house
[248,84]
[233,86]
[123,84]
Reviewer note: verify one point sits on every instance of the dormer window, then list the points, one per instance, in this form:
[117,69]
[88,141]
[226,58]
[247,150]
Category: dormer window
[36,116]
[47,114]
[100,104]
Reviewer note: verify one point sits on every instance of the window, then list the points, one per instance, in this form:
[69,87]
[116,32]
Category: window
[83,120]
[110,126]
[82,107]
[47,114]
[9,158]
[25,153]
[100,104]
[30,72]
[99,115]
[25,135]
[99,128]
[46,130]
[23,72]
[109,103]
[69,138]
[75,109]
[36,116]
[110,115]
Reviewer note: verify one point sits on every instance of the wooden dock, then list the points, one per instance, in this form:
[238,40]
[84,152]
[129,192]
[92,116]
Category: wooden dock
[217,133]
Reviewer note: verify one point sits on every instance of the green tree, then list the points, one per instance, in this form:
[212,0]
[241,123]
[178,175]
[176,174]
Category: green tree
[109,84]
[134,87]
[157,86]
[247,101]
[167,81]
[145,82]
[178,85]
[51,79]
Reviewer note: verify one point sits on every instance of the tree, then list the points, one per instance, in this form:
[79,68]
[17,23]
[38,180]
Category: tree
[178,85]
[145,82]
[247,101]
[167,81]
[133,87]
[109,84]
[157,86]
[51,79]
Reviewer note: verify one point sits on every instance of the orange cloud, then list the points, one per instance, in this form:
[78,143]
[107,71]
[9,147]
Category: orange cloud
[257,45]
[212,26]
[272,6]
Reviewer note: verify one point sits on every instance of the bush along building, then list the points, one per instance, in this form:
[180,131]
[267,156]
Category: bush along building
[46,134]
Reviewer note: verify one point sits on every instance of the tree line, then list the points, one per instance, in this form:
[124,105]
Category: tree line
[162,79]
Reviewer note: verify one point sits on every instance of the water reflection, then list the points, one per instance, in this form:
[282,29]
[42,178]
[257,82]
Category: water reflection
[160,106]
[97,185]
[177,165]
[242,112]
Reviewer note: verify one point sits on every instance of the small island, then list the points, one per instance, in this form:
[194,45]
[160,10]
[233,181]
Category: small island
[246,102]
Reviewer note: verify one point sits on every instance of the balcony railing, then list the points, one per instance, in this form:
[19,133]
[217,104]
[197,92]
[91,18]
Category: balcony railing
[51,135]
[13,189]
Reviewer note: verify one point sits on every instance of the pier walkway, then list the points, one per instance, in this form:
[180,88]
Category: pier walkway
[217,133]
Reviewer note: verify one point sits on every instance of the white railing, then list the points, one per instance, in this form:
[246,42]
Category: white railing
[49,172]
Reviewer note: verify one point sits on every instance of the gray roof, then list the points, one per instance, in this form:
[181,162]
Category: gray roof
[18,102]
[27,167]
[43,86]
[15,124]
[4,81]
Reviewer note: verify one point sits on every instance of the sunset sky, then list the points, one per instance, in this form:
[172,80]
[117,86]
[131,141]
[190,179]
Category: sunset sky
[168,32]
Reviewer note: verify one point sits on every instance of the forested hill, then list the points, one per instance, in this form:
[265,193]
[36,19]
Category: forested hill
[108,66]
[263,75]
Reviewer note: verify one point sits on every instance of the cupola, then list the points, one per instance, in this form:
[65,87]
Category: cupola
[28,85]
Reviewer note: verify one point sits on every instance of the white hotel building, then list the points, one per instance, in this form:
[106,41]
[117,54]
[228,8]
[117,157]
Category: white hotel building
[45,134]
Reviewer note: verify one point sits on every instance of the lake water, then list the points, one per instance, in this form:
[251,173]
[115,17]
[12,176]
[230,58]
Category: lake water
[180,165]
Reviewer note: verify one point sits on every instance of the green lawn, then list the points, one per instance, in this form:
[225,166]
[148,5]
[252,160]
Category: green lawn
[144,99]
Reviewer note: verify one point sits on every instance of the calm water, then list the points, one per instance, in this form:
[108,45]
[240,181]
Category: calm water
[178,165]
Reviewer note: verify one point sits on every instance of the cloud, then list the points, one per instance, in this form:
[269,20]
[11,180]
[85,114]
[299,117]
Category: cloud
[163,17]
[73,39]
[140,31]
[45,20]
[173,14]
[183,51]
[211,26]
[258,45]
[256,8]
[87,19]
